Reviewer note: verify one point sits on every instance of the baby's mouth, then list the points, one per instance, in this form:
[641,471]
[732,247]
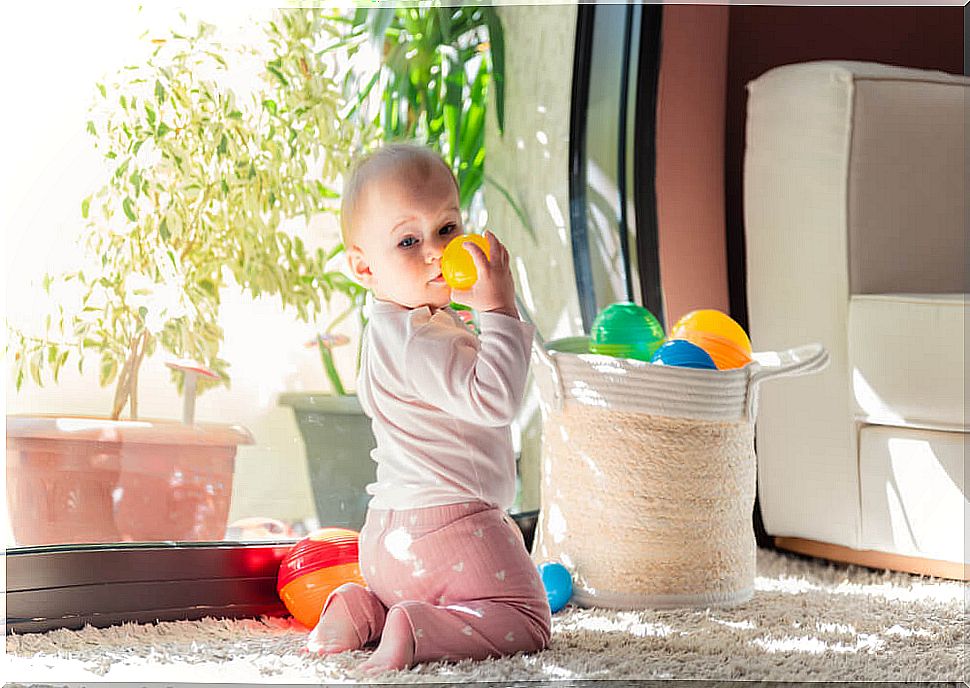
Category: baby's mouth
[438,280]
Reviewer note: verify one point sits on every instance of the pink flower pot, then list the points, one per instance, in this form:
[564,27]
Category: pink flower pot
[75,480]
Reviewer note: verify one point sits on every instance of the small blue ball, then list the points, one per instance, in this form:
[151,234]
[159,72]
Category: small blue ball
[683,354]
[558,584]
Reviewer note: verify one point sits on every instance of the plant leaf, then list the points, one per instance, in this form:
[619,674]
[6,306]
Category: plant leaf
[454,81]
[378,22]
[362,95]
[520,213]
[444,22]
[496,40]
[127,206]
[278,74]
[472,126]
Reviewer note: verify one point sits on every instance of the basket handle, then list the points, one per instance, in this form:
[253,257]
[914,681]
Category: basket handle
[802,360]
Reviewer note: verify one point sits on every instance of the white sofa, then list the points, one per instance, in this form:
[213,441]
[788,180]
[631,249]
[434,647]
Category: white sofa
[856,214]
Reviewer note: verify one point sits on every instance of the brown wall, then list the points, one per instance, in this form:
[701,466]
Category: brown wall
[690,159]
[760,38]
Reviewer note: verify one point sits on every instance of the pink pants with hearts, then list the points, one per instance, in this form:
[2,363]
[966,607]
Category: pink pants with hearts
[460,573]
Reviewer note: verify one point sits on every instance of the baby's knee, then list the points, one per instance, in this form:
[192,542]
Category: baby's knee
[350,588]
[353,598]
[350,591]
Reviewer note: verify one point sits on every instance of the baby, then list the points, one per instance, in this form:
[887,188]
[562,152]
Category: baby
[448,574]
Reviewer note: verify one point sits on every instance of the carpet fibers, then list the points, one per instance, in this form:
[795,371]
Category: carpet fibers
[808,621]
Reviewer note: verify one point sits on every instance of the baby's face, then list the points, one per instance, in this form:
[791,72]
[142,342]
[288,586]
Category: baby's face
[402,226]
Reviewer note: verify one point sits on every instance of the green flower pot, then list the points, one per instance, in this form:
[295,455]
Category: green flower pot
[338,440]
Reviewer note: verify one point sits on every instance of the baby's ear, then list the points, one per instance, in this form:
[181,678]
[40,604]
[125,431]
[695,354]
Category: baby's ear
[359,269]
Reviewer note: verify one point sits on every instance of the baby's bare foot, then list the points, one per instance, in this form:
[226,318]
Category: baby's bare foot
[335,632]
[396,650]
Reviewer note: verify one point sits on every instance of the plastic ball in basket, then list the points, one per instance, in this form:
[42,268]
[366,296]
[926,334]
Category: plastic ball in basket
[726,355]
[717,334]
[315,566]
[626,330]
[714,322]
[683,354]
[558,584]
[457,266]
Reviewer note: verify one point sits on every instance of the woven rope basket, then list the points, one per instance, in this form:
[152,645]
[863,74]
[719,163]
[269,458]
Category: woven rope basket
[648,475]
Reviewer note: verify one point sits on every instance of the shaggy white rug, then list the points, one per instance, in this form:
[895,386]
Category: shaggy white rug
[808,621]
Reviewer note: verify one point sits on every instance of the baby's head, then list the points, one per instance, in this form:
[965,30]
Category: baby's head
[399,209]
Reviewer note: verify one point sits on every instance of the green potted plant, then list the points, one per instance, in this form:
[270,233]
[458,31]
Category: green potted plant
[201,178]
[431,85]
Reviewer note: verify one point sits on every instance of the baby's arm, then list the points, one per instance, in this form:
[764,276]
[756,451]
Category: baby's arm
[482,384]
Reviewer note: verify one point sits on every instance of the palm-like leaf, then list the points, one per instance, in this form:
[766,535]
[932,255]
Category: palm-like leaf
[438,66]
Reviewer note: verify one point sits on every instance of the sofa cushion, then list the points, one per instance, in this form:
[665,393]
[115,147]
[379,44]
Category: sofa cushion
[913,492]
[906,358]
[907,206]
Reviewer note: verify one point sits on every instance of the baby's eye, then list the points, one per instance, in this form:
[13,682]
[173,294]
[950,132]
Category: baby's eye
[447,229]
[407,242]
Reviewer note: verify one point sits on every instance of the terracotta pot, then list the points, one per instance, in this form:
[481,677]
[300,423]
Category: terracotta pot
[76,479]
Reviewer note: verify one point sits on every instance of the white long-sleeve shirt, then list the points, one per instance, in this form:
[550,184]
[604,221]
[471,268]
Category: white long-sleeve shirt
[441,400]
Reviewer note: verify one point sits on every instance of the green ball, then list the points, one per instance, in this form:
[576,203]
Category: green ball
[626,330]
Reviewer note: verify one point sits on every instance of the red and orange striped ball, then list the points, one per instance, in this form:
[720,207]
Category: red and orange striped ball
[316,565]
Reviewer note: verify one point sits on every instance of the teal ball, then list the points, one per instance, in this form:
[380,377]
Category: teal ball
[558,584]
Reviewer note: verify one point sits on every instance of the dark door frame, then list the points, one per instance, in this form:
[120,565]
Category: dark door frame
[640,51]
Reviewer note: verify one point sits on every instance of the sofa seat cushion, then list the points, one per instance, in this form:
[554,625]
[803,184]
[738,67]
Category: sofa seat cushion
[913,492]
[906,358]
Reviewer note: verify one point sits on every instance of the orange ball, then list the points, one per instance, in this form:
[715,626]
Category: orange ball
[718,334]
[313,568]
[457,266]
[712,322]
[725,353]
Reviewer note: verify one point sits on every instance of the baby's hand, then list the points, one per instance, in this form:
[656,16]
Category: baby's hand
[494,290]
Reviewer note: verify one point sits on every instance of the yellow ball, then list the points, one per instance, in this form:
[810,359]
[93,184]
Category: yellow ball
[457,266]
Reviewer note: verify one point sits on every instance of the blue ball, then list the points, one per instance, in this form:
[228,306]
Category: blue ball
[683,354]
[558,584]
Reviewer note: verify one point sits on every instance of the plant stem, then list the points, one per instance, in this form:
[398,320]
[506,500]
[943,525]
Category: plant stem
[141,345]
[123,389]
[360,338]
[336,321]
[326,355]
[127,388]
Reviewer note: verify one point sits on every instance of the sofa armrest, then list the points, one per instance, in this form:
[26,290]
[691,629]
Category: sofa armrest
[828,214]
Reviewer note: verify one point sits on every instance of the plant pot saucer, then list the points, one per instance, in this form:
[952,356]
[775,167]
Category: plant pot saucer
[141,431]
